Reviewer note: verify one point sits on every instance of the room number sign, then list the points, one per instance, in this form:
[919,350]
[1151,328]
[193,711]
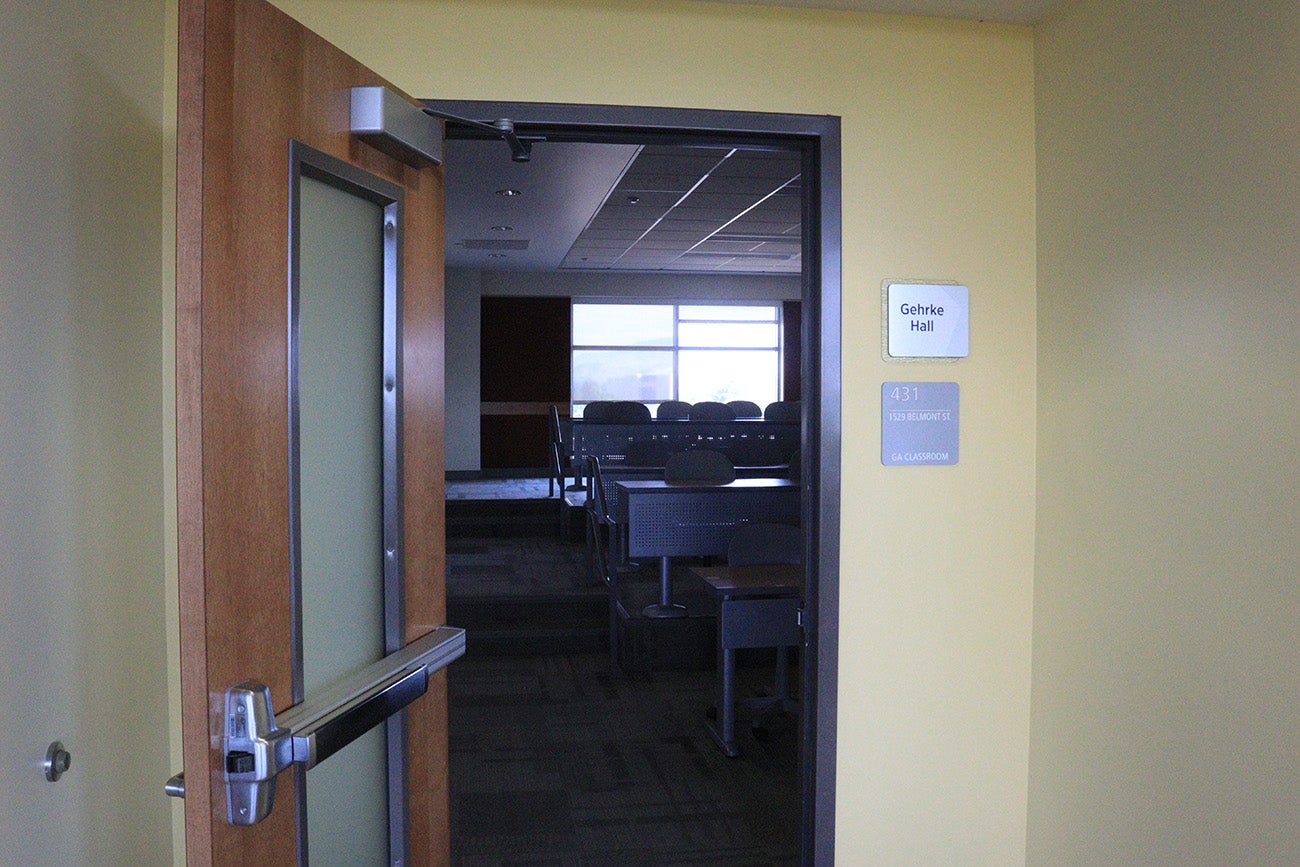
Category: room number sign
[918,423]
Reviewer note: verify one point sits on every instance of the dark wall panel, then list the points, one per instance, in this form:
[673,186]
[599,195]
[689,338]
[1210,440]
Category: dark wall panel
[524,369]
[524,347]
[509,442]
[792,362]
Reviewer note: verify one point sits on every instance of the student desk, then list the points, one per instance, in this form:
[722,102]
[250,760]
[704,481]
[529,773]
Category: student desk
[671,519]
[758,607]
[638,447]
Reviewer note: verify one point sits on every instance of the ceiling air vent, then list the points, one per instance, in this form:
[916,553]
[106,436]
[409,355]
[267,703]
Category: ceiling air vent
[493,244]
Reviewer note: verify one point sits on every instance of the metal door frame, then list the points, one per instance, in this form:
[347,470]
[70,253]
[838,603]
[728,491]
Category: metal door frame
[817,138]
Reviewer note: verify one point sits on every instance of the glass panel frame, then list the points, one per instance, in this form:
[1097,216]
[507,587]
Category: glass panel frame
[654,322]
[747,312]
[307,162]
[728,335]
[742,326]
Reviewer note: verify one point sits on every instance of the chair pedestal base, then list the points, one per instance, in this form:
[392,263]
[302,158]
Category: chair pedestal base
[665,607]
[660,610]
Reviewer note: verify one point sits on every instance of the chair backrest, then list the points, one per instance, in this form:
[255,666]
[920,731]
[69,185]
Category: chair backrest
[673,409]
[783,411]
[701,466]
[745,408]
[597,410]
[765,544]
[627,412]
[712,410]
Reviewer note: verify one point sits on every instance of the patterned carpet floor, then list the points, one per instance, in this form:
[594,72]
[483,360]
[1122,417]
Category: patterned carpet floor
[518,567]
[556,762]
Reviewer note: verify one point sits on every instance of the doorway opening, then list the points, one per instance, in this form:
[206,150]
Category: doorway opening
[815,142]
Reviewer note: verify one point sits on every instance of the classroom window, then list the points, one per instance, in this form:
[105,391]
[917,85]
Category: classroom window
[691,352]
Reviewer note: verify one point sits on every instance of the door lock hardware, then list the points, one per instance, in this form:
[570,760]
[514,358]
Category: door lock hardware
[256,750]
[256,747]
[57,761]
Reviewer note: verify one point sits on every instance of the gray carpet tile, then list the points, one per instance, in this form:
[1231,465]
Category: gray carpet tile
[555,761]
[524,566]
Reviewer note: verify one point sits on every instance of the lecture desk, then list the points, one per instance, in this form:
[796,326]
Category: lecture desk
[758,606]
[673,519]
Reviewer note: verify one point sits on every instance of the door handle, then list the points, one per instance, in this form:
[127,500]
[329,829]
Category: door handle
[257,746]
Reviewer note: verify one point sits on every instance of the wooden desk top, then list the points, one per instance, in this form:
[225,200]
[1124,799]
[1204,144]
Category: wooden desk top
[751,580]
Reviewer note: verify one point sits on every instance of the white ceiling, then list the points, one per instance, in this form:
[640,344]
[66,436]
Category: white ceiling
[559,191]
[701,209]
[615,207]
[603,207]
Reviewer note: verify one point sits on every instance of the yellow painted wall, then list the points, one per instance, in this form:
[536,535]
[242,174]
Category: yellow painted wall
[85,302]
[1166,711]
[938,182]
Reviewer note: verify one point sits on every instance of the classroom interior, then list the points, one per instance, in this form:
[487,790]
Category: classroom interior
[534,576]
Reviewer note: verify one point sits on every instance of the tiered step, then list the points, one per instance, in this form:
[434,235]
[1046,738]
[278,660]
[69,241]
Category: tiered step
[502,518]
[532,626]
[517,588]
[669,644]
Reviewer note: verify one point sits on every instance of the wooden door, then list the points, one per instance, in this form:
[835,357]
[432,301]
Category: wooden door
[251,80]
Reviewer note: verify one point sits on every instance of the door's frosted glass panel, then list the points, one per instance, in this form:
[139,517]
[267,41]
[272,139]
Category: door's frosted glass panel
[341,508]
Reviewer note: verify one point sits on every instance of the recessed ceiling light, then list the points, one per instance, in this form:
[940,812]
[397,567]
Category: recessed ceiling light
[508,193]
[496,255]
[634,200]
[503,228]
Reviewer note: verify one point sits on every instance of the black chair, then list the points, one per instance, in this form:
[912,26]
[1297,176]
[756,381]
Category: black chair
[573,495]
[699,466]
[712,410]
[761,544]
[745,408]
[597,411]
[602,544]
[561,453]
[787,411]
[627,412]
[676,410]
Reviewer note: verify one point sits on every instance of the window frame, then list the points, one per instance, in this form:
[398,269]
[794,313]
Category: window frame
[578,401]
